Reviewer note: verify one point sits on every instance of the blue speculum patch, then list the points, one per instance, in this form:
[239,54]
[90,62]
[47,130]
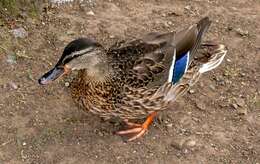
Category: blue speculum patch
[180,67]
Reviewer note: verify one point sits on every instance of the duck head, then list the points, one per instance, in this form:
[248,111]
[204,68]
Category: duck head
[79,54]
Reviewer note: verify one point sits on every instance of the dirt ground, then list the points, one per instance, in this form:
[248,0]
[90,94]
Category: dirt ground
[218,121]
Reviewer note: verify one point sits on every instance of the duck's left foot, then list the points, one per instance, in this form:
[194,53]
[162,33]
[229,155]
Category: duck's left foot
[137,130]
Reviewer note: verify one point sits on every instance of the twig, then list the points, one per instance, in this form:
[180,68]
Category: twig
[5,143]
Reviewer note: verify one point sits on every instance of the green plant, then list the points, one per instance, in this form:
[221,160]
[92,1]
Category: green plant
[14,7]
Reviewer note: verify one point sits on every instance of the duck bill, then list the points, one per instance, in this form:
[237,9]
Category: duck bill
[52,75]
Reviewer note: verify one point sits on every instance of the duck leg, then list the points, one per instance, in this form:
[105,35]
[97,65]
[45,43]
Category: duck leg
[137,130]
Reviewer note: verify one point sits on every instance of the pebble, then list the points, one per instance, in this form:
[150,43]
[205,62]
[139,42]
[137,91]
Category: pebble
[100,134]
[222,82]
[169,125]
[187,7]
[166,24]
[164,15]
[13,85]
[24,144]
[240,102]
[195,119]
[235,106]
[242,111]
[200,105]
[169,23]
[242,32]
[190,143]
[67,84]
[228,60]
[19,32]
[91,13]
[177,145]
[212,87]
[230,28]
[242,74]
[11,59]
[191,91]
[111,36]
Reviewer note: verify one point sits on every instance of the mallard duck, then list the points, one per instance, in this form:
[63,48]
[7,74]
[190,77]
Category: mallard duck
[136,79]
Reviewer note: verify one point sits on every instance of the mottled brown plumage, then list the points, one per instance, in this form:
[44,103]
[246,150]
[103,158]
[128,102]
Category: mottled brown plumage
[134,79]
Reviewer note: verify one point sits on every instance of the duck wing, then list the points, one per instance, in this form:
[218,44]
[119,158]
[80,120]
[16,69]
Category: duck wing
[158,57]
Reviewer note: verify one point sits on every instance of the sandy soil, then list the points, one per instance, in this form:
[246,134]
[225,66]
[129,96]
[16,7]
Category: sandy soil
[218,121]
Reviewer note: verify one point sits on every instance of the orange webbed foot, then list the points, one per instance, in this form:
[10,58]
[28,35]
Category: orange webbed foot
[137,130]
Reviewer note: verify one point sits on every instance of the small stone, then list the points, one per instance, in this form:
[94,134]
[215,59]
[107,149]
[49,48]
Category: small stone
[111,36]
[166,24]
[170,23]
[230,28]
[100,134]
[70,32]
[13,85]
[185,151]
[169,125]
[177,145]
[11,59]
[242,74]
[228,60]
[234,106]
[201,84]
[191,91]
[91,13]
[187,7]
[242,111]
[243,83]
[67,84]
[226,73]
[164,15]
[242,32]
[240,102]
[221,82]
[19,32]
[195,119]
[200,105]
[24,144]
[212,87]
[190,143]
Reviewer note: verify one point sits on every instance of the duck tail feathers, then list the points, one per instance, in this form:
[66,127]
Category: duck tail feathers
[218,52]
[171,91]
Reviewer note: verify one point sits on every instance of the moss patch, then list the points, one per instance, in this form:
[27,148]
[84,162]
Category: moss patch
[14,8]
